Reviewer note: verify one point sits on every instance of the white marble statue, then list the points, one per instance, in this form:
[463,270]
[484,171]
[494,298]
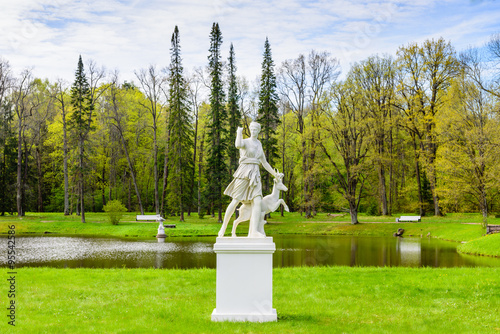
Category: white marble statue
[246,186]
[270,203]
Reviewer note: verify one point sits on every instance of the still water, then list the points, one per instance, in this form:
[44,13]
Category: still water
[75,252]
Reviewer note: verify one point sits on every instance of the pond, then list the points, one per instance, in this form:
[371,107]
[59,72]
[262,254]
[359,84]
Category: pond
[76,252]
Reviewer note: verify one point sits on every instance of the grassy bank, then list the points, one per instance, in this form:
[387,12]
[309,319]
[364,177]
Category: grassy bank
[308,300]
[455,227]
[488,245]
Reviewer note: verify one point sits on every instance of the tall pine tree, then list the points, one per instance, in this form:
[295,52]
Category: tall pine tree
[216,165]
[233,111]
[268,111]
[8,143]
[181,134]
[80,123]
[8,159]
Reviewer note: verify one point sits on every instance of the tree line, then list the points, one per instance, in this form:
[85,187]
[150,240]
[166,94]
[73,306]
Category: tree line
[418,132]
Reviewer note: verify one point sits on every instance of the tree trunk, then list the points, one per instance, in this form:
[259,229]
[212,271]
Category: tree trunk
[78,201]
[383,190]
[129,195]
[484,207]
[431,152]
[103,189]
[155,172]
[82,190]
[132,173]
[165,174]
[305,178]
[312,158]
[353,211]
[40,176]
[200,171]
[190,207]
[19,182]
[65,167]
[419,182]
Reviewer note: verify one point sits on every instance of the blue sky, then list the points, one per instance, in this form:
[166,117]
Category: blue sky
[48,35]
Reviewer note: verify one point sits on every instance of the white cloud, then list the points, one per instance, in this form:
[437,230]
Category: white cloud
[129,35]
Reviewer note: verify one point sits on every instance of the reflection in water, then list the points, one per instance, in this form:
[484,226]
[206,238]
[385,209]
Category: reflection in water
[410,252]
[372,251]
[198,252]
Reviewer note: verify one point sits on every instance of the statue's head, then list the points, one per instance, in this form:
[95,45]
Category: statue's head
[254,128]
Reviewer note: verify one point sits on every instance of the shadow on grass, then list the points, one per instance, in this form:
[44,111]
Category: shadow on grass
[294,317]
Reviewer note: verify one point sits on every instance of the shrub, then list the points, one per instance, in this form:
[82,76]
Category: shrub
[114,210]
[373,209]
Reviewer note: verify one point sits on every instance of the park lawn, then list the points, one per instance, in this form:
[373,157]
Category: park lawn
[488,245]
[454,227]
[307,299]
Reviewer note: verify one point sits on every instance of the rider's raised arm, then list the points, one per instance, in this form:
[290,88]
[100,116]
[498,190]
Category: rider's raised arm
[239,138]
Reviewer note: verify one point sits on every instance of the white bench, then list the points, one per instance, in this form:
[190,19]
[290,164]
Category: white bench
[408,219]
[158,218]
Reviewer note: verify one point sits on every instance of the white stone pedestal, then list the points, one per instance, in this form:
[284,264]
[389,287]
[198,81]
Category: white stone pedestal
[244,280]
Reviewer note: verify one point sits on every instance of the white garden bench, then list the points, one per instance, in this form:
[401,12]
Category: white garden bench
[408,219]
[158,219]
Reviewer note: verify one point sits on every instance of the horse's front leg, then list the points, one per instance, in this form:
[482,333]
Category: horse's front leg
[282,201]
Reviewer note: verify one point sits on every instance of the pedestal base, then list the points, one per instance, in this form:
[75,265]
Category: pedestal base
[256,317]
[244,280]
[161,237]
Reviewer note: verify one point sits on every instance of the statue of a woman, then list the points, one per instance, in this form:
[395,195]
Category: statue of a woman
[246,186]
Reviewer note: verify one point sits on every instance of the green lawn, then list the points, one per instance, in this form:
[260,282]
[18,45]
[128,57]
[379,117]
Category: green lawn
[453,227]
[308,300]
[488,245]
[456,227]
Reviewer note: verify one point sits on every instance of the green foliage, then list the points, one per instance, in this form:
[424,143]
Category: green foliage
[115,210]
[80,123]
[234,113]
[8,160]
[8,143]
[268,117]
[426,72]
[430,131]
[180,157]
[216,169]
[348,129]
[81,119]
[373,209]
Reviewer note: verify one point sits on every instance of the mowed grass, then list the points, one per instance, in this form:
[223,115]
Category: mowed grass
[307,299]
[455,227]
[488,245]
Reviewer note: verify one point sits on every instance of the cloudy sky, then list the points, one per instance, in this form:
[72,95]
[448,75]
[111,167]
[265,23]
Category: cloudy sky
[48,35]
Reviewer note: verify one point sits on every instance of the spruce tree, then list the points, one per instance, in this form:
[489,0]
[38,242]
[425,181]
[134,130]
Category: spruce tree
[80,122]
[181,134]
[233,111]
[268,111]
[8,159]
[217,173]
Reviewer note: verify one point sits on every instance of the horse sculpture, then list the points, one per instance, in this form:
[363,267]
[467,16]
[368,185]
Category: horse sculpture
[270,203]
